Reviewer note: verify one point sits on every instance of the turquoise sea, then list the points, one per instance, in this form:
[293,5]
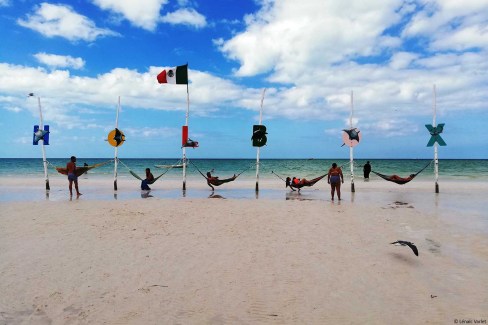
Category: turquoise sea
[451,169]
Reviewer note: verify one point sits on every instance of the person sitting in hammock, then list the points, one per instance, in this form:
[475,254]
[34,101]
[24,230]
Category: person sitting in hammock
[214,180]
[299,183]
[149,180]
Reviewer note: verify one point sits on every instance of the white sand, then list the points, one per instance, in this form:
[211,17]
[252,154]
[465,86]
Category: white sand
[194,260]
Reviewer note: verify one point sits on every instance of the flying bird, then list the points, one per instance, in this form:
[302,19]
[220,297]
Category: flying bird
[407,243]
[353,135]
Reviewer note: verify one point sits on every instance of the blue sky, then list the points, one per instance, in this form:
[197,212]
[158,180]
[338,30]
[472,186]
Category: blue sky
[80,56]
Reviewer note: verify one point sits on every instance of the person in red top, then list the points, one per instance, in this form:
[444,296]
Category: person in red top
[72,178]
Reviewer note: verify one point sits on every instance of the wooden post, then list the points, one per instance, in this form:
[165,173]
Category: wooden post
[187,115]
[116,148]
[44,161]
[258,151]
[351,159]
[436,160]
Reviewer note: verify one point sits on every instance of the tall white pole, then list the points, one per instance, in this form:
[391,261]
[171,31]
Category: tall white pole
[257,155]
[351,159]
[187,115]
[116,148]
[44,161]
[436,160]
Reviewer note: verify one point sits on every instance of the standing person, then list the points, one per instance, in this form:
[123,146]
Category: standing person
[366,171]
[149,180]
[334,178]
[86,172]
[71,169]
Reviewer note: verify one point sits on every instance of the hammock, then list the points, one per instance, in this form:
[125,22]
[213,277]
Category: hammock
[215,180]
[139,177]
[303,182]
[81,170]
[400,180]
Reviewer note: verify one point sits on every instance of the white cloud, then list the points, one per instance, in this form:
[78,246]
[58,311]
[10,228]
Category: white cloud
[4,3]
[63,91]
[60,61]
[391,127]
[60,20]
[147,132]
[185,17]
[287,36]
[451,24]
[14,109]
[142,13]
[402,60]
[399,91]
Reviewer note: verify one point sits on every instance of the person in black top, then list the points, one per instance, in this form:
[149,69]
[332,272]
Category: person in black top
[366,171]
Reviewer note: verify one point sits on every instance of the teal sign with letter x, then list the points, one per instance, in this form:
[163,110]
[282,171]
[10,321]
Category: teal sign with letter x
[435,134]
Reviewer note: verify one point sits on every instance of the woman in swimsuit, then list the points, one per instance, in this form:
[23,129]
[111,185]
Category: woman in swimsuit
[334,178]
[72,178]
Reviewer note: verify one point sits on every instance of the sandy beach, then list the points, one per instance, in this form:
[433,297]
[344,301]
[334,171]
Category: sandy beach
[233,258]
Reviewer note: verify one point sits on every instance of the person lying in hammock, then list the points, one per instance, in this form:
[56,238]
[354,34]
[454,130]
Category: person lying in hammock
[214,180]
[400,180]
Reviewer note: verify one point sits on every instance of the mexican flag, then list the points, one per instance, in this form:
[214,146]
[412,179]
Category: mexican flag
[177,75]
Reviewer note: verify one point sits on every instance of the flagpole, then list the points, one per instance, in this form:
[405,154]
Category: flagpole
[187,115]
[116,148]
[44,161]
[351,159]
[436,160]
[257,155]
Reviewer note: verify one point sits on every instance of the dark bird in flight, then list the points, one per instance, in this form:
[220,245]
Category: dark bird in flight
[407,243]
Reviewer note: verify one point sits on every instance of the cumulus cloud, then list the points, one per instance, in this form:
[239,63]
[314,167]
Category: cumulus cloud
[402,60]
[60,20]
[451,24]
[142,13]
[185,17]
[151,133]
[60,61]
[297,44]
[286,36]
[321,50]
[381,93]
[64,90]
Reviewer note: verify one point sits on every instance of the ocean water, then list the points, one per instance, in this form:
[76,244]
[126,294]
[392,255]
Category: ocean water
[451,169]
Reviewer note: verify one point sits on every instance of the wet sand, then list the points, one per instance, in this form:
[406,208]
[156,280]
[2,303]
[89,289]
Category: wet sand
[277,258]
